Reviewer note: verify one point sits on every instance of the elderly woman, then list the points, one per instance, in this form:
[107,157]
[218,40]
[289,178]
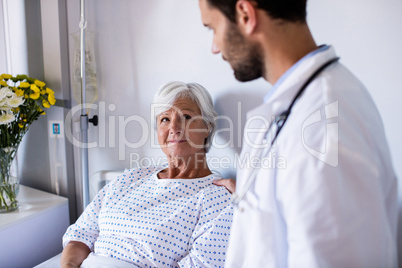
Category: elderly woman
[171,216]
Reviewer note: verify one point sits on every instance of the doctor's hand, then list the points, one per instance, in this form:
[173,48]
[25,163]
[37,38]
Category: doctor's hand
[229,184]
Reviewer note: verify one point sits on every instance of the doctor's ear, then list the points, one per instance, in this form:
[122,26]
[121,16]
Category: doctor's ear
[246,16]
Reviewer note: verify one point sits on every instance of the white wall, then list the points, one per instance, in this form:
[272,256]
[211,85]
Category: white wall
[140,45]
[3,51]
[15,37]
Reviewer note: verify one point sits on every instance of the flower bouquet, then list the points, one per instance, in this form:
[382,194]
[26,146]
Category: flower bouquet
[22,100]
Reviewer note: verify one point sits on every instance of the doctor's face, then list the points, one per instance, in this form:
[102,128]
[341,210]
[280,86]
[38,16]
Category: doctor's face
[181,129]
[243,55]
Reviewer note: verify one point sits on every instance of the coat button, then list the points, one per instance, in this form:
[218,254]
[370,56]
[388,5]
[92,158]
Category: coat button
[241,208]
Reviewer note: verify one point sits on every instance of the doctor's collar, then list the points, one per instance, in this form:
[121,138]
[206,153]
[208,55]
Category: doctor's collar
[280,81]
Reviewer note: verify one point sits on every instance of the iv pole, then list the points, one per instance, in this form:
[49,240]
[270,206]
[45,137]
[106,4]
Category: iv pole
[84,116]
[84,121]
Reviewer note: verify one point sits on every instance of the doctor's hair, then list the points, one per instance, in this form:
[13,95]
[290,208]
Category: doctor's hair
[287,10]
[168,93]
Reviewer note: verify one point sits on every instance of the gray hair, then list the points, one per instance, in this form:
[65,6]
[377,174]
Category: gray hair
[168,93]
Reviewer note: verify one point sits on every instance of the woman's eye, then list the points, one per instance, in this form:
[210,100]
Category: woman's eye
[187,117]
[164,119]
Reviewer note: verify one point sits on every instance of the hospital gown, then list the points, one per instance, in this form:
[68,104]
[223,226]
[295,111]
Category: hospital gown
[153,222]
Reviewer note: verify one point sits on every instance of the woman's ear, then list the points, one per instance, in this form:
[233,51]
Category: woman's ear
[246,15]
[209,129]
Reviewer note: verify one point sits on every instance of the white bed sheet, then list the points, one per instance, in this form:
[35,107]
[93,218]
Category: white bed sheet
[50,263]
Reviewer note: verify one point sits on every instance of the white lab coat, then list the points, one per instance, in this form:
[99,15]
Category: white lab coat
[327,195]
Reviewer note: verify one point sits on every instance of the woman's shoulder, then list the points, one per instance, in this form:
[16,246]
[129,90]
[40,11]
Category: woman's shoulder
[136,174]
[216,202]
[215,192]
[142,171]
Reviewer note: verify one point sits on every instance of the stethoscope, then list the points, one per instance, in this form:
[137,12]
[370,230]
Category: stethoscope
[277,125]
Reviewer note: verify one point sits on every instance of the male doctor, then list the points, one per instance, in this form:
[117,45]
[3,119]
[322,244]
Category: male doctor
[333,200]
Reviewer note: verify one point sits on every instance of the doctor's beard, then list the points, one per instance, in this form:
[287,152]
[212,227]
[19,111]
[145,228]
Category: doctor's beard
[244,57]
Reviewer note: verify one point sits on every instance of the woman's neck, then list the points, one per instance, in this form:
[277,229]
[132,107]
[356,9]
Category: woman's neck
[186,167]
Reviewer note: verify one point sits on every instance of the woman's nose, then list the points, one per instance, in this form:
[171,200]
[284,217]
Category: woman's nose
[176,127]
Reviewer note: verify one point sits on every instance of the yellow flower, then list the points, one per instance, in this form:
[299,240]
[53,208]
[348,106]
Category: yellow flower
[19,92]
[21,125]
[24,84]
[51,99]
[39,83]
[4,83]
[6,76]
[43,92]
[35,95]
[35,89]
[49,91]
[46,104]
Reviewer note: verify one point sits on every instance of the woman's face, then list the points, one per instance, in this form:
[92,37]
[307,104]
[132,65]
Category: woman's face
[181,129]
